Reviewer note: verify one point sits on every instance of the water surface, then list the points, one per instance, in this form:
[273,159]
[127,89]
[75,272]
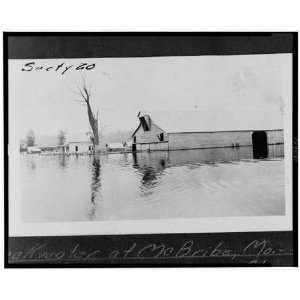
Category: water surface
[177,184]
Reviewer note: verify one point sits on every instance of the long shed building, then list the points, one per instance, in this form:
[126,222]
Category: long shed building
[184,130]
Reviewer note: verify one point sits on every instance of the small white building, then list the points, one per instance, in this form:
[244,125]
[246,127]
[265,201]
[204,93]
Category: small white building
[33,149]
[116,147]
[78,147]
[78,144]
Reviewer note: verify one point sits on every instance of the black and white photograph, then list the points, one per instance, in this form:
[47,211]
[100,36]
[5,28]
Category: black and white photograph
[150,150]
[150,145]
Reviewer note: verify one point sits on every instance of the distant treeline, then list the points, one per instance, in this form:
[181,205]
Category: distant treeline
[46,141]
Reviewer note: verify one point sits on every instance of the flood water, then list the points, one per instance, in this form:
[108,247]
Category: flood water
[176,184]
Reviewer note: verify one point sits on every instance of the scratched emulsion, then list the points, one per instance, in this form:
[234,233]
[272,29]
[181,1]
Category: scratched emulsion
[175,184]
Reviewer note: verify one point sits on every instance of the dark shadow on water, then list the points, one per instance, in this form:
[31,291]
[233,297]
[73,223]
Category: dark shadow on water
[95,186]
[151,166]
[63,161]
[216,156]
[31,163]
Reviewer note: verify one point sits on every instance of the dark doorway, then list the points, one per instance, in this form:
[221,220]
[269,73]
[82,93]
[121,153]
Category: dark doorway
[161,137]
[260,144]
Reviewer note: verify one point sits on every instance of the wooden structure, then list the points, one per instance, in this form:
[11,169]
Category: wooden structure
[152,135]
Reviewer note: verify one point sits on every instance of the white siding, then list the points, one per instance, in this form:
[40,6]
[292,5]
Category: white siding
[150,136]
[158,146]
[209,139]
[82,147]
[219,139]
[149,140]
[275,137]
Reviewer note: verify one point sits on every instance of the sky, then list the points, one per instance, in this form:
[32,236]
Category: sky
[46,101]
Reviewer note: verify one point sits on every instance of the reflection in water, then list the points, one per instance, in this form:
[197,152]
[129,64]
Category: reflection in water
[151,165]
[95,185]
[31,162]
[63,161]
[134,159]
[176,184]
[149,176]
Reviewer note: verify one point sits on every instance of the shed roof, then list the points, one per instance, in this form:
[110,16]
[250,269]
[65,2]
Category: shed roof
[216,120]
[79,142]
[115,145]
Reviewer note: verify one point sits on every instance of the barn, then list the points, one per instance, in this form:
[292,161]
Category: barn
[193,130]
[115,147]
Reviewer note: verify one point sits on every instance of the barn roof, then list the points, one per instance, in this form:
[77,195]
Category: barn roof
[216,120]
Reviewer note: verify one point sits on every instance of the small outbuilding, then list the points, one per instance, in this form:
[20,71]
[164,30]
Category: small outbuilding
[115,147]
[78,144]
[78,147]
[34,150]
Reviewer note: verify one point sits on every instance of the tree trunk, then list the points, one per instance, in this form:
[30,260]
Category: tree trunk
[94,126]
[93,119]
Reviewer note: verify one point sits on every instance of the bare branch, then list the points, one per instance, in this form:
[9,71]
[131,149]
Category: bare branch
[78,93]
[87,96]
[79,101]
[83,91]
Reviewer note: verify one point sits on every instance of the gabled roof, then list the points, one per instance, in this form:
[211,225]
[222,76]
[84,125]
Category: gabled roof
[216,120]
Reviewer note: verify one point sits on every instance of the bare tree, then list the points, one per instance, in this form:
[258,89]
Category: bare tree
[61,138]
[85,97]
